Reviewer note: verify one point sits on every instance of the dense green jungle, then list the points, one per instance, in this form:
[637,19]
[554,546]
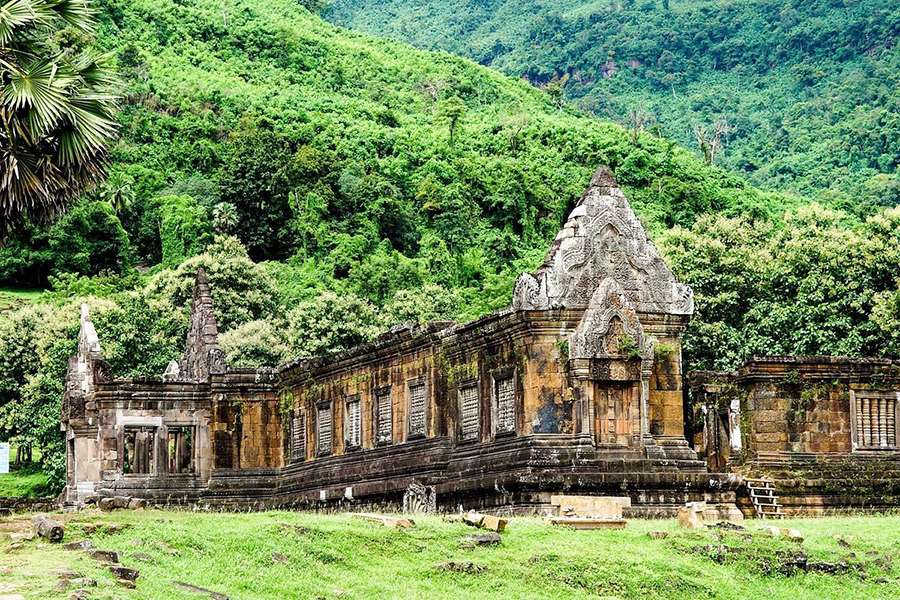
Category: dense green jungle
[333,183]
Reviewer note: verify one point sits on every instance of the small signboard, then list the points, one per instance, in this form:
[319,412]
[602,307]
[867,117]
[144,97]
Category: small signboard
[4,457]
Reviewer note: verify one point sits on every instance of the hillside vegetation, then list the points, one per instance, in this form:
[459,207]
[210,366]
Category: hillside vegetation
[808,88]
[309,555]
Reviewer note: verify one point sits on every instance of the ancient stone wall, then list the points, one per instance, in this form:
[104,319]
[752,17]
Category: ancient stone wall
[824,428]
[577,387]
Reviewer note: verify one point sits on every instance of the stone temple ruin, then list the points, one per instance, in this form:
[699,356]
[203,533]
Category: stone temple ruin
[575,389]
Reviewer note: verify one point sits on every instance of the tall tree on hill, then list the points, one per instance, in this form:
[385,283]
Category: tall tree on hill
[451,111]
[56,108]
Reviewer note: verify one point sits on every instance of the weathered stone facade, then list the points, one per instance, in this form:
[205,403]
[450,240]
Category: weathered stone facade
[576,388]
[823,428]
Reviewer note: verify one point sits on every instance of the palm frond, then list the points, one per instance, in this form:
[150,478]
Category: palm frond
[77,13]
[14,14]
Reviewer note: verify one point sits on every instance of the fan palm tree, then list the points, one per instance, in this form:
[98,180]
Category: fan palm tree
[56,108]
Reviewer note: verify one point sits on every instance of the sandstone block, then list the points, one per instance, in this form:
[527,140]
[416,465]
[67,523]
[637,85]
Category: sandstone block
[137,503]
[690,516]
[493,523]
[124,572]
[591,506]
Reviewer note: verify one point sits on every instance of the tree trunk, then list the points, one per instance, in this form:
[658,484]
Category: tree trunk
[47,528]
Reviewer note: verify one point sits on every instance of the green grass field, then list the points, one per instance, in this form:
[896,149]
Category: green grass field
[13,298]
[27,482]
[303,555]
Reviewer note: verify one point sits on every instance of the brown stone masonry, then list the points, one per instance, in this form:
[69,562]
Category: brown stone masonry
[824,428]
[576,388]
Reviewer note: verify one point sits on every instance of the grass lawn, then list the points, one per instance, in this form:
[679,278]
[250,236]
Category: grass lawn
[305,555]
[26,481]
[12,298]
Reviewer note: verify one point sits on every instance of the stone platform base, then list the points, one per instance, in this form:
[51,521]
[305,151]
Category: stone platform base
[822,484]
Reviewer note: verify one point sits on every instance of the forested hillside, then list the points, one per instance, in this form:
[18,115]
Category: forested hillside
[809,90]
[333,184]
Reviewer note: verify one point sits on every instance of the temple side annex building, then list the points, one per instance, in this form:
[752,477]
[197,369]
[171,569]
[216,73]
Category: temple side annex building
[576,388]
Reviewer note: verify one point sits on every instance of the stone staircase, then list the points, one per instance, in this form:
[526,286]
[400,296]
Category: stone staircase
[764,497]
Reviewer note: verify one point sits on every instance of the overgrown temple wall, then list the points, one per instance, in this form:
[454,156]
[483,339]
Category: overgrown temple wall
[824,428]
[576,387]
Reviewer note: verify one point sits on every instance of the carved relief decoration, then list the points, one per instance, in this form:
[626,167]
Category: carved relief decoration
[602,239]
[610,327]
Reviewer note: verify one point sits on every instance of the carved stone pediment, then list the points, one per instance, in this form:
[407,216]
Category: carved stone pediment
[609,328]
[603,239]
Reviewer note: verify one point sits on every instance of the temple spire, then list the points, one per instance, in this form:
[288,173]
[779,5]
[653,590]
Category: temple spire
[202,354]
[603,239]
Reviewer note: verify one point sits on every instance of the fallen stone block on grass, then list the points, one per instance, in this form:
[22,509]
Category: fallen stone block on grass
[124,572]
[199,590]
[793,535]
[697,515]
[387,521]
[79,545]
[690,516]
[583,523]
[105,556]
[48,528]
[482,521]
[137,504]
[481,539]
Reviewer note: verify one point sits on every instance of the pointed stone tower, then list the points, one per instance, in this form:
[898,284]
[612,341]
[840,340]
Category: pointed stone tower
[202,355]
[80,412]
[603,239]
[633,311]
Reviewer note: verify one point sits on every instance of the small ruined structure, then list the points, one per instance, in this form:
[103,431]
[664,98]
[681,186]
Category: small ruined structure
[575,389]
[822,429]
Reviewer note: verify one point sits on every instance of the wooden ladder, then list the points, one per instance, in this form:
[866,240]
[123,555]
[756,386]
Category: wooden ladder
[764,498]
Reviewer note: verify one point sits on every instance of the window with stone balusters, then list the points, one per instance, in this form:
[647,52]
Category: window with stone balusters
[384,417]
[417,406]
[469,413]
[352,423]
[505,401]
[874,419]
[324,429]
[298,436]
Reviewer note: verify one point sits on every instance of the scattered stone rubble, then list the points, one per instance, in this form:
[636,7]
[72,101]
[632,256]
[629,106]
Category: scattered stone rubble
[699,515]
